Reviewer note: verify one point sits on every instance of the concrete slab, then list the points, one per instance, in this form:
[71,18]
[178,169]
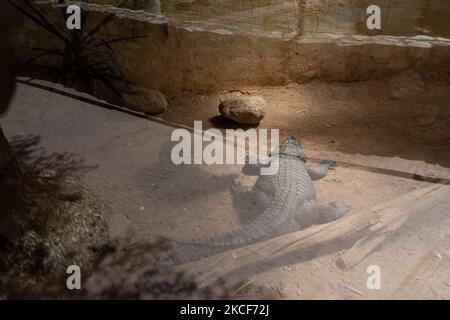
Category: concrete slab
[129,165]
[131,171]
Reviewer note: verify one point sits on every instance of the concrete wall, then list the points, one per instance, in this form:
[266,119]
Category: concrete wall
[198,57]
[399,17]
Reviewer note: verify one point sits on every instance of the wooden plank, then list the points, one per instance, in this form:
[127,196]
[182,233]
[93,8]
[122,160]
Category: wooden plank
[396,166]
[391,216]
[379,221]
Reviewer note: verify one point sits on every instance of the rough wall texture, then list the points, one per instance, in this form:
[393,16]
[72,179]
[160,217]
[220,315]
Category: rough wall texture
[198,57]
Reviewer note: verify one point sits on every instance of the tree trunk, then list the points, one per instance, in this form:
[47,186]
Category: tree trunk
[9,18]
[5,150]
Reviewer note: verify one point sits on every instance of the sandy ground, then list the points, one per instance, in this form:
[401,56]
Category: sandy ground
[353,118]
[148,197]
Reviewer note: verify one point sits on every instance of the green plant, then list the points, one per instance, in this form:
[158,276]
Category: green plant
[85,58]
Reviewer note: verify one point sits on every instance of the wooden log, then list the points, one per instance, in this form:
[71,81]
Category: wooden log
[301,18]
[377,223]
[418,170]
[390,217]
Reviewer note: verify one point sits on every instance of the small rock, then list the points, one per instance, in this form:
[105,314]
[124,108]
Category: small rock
[146,100]
[243,110]
[437,254]
[406,85]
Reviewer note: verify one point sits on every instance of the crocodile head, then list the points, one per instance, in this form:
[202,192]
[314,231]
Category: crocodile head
[292,147]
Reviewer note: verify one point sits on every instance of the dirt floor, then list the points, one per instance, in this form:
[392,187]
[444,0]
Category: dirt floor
[365,118]
[358,117]
[148,197]
[48,220]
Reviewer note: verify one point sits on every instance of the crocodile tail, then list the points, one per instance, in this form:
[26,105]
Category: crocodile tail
[265,227]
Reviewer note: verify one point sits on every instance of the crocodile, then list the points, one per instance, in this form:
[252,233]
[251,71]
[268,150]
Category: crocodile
[291,205]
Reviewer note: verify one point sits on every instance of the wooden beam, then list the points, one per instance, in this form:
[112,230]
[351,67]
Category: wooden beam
[301,18]
[390,216]
[412,169]
[376,224]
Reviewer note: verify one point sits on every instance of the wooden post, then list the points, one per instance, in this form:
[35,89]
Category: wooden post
[301,18]
[157,7]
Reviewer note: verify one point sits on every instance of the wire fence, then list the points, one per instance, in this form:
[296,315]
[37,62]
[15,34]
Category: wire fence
[412,17]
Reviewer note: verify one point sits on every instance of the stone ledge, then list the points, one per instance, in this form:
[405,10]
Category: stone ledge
[196,57]
[196,26]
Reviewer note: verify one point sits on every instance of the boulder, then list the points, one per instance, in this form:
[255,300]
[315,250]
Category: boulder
[243,110]
[145,100]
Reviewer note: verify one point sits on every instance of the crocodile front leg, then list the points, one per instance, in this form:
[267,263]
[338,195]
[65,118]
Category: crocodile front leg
[314,212]
[318,172]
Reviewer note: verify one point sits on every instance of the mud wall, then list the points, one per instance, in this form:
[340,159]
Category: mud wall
[181,57]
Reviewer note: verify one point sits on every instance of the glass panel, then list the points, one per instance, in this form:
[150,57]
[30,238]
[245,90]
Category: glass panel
[400,18]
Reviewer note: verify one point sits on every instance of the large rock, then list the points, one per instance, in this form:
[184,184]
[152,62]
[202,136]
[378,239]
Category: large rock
[243,110]
[145,100]
[406,85]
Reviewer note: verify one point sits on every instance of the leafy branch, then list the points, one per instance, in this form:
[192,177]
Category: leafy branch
[85,57]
